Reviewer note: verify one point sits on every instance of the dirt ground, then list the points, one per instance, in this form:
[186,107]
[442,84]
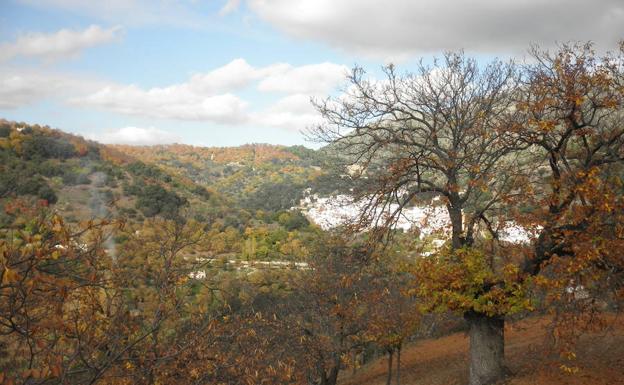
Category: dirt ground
[444,361]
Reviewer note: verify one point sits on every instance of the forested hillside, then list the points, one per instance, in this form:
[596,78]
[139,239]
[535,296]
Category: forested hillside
[243,199]
[257,176]
[83,179]
[466,197]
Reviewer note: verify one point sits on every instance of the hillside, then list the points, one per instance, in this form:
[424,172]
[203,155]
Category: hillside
[85,179]
[256,176]
[258,246]
[443,361]
[242,195]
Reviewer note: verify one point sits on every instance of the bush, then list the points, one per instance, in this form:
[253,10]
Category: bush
[83,179]
[148,171]
[49,169]
[5,131]
[275,196]
[46,192]
[292,220]
[128,211]
[201,191]
[155,200]
[30,186]
[40,146]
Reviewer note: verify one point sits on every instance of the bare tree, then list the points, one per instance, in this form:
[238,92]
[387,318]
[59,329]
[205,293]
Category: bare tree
[442,131]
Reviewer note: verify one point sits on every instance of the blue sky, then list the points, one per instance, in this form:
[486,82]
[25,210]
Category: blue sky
[228,72]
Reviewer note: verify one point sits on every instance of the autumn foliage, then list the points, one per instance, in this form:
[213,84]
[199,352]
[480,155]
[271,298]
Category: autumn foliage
[207,276]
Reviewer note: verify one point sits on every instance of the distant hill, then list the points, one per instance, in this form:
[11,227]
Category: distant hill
[256,176]
[85,179]
[244,195]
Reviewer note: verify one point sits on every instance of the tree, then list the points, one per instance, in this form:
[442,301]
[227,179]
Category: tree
[76,309]
[542,146]
[437,132]
[53,298]
[329,308]
[154,200]
[573,120]
[393,314]
[153,275]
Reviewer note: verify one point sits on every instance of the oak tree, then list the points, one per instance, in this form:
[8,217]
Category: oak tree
[437,132]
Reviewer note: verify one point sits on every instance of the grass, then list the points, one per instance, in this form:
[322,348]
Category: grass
[444,361]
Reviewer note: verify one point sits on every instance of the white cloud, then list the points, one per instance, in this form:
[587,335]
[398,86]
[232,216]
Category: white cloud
[204,97]
[280,94]
[294,112]
[18,90]
[312,79]
[229,7]
[235,75]
[62,43]
[211,96]
[399,27]
[136,136]
[19,87]
[174,102]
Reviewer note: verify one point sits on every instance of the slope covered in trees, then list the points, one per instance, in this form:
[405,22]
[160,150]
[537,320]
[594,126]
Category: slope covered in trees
[84,178]
[257,176]
[179,264]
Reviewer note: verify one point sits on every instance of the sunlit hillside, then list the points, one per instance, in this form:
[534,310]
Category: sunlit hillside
[308,192]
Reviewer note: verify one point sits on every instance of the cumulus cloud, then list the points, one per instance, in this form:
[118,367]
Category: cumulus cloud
[175,102]
[312,79]
[136,136]
[19,87]
[293,112]
[235,75]
[397,27]
[204,97]
[18,90]
[63,43]
[283,91]
[211,96]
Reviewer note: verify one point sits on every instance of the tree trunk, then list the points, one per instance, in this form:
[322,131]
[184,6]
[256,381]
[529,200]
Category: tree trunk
[331,378]
[455,215]
[321,372]
[487,348]
[333,375]
[398,369]
[389,378]
[322,375]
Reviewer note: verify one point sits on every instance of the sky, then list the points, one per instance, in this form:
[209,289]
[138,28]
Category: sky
[230,72]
